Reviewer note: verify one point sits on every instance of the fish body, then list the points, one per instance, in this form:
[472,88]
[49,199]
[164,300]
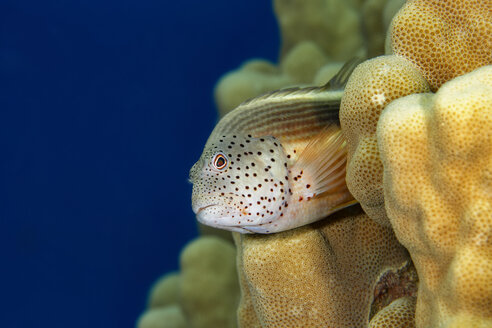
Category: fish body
[274,163]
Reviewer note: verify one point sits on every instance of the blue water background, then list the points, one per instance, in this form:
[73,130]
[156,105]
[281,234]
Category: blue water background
[104,107]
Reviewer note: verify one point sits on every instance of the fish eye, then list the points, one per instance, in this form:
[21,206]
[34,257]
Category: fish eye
[220,161]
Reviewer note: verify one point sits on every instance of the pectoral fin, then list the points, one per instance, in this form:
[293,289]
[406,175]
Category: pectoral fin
[321,165]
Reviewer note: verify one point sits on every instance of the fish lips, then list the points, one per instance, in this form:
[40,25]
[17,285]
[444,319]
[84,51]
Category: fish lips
[208,215]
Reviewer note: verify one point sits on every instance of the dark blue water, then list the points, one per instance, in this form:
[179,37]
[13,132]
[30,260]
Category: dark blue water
[104,107]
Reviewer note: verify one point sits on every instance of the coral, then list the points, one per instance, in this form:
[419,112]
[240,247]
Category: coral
[252,79]
[302,63]
[315,34]
[444,39]
[469,321]
[399,314]
[333,25]
[209,288]
[435,192]
[371,87]
[376,17]
[320,275]
[389,11]
[374,26]
[165,317]
[436,151]
[204,294]
[165,291]
[206,230]
[437,165]
[326,72]
[164,310]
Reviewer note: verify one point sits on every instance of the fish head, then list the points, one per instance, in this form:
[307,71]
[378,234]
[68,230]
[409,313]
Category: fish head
[240,181]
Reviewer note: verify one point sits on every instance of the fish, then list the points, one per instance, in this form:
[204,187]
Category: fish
[276,162]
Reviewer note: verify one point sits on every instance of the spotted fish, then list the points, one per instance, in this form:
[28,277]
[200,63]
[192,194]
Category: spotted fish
[275,162]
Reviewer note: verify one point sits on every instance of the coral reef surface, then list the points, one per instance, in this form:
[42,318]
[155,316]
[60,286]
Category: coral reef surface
[420,164]
[445,39]
[318,36]
[204,294]
[373,85]
[437,156]
[320,275]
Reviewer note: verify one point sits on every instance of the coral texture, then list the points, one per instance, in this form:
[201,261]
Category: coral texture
[204,294]
[373,85]
[250,80]
[437,157]
[436,186]
[320,275]
[399,314]
[333,25]
[437,165]
[315,34]
[165,291]
[166,317]
[444,39]
[209,283]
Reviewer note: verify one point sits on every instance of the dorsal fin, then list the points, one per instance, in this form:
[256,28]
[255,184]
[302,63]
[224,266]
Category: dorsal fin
[340,79]
[289,114]
[337,82]
[282,93]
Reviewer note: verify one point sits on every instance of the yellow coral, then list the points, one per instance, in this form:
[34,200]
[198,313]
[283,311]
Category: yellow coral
[444,39]
[437,157]
[314,33]
[321,275]
[332,24]
[375,22]
[399,314]
[165,291]
[204,294]
[252,79]
[170,316]
[371,87]
[209,287]
[303,61]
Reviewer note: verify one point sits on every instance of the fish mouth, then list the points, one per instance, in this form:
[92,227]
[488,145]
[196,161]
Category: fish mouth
[204,207]
[217,222]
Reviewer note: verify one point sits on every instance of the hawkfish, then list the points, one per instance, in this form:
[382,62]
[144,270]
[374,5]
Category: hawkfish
[275,162]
